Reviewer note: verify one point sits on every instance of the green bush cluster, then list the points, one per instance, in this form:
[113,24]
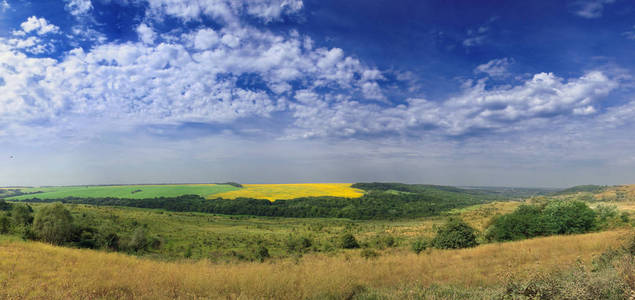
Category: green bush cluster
[554,217]
[54,224]
[455,234]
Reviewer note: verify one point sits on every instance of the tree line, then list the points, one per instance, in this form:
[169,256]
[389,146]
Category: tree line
[53,223]
[372,205]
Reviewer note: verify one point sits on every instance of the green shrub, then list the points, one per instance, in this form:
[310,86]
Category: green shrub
[568,217]
[5,205]
[455,234]
[5,224]
[139,241]
[53,224]
[420,245]
[555,217]
[299,244]
[368,253]
[22,214]
[262,253]
[348,241]
[524,222]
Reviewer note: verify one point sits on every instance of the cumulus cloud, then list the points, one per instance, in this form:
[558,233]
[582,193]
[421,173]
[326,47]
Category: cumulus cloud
[590,9]
[146,34]
[78,7]
[195,76]
[225,10]
[37,25]
[476,109]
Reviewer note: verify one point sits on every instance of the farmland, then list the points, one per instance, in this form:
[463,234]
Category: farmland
[192,247]
[124,191]
[274,192]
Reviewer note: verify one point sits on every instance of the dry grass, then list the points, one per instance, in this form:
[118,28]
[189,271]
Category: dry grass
[617,193]
[35,270]
[289,191]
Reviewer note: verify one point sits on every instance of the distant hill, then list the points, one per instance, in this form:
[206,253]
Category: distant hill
[589,188]
[599,193]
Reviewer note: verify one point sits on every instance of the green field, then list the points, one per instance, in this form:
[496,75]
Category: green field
[124,191]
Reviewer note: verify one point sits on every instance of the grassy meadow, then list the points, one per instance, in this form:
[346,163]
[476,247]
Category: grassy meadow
[124,191]
[37,270]
[290,191]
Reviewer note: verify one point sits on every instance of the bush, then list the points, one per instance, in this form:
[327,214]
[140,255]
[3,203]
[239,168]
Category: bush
[568,217]
[524,222]
[298,244]
[382,241]
[368,253]
[348,241]
[4,205]
[420,245]
[262,253]
[139,240]
[53,224]
[5,224]
[22,214]
[555,217]
[455,234]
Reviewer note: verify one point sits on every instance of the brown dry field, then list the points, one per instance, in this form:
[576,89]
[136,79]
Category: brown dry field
[41,271]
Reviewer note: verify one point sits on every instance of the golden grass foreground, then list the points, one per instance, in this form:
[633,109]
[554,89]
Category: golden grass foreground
[36,270]
[274,192]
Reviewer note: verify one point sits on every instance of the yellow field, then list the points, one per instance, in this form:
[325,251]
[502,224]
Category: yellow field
[36,270]
[289,191]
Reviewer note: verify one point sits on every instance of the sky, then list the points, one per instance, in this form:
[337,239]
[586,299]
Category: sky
[467,93]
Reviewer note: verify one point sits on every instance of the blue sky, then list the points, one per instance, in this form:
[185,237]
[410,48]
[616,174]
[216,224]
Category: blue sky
[515,93]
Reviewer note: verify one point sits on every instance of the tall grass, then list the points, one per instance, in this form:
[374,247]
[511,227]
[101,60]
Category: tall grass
[36,270]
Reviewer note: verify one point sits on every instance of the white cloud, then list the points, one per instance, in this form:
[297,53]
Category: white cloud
[146,34]
[630,34]
[192,77]
[78,7]
[495,67]
[225,10]
[205,39]
[544,97]
[590,9]
[4,6]
[37,25]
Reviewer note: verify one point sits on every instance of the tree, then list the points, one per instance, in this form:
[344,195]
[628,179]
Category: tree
[4,205]
[525,222]
[139,240]
[567,217]
[455,234]
[53,224]
[349,242]
[22,214]
[5,224]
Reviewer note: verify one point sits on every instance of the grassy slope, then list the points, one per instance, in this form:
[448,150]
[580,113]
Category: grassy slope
[36,270]
[220,237]
[225,238]
[289,191]
[125,191]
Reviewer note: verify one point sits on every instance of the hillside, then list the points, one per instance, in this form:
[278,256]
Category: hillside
[33,270]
